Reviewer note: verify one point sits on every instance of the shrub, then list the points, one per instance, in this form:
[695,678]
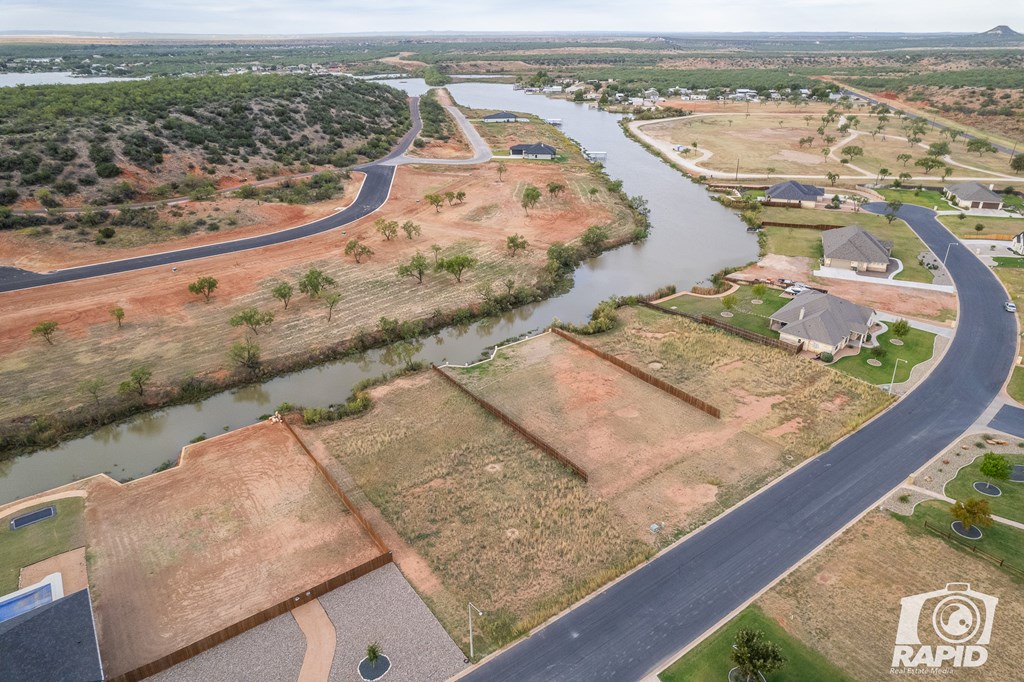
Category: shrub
[826,357]
[878,353]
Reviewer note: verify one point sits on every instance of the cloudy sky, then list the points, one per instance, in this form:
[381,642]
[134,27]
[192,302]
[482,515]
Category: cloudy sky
[347,16]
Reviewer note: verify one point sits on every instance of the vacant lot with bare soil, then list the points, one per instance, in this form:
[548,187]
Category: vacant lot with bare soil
[245,521]
[497,521]
[845,602]
[176,334]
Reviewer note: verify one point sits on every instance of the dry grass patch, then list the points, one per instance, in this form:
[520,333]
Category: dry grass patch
[845,602]
[498,521]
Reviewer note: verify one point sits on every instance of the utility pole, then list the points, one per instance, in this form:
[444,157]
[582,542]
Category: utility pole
[737,179]
[479,612]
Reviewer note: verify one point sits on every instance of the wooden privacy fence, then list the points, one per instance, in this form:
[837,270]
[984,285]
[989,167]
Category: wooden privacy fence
[994,237]
[338,491]
[772,223]
[974,548]
[647,377]
[279,609]
[732,329]
[515,426]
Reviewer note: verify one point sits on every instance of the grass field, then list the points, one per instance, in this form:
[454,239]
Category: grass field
[745,315]
[992,226]
[1009,261]
[845,600]
[1016,386]
[917,347]
[711,660]
[807,243]
[40,540]
[800,405]
[919,197]
[1009,505]
[496,521]
[999,540]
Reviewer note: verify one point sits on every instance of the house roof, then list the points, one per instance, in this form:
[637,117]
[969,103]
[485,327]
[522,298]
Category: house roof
[826,318]
[855,244]
[536,148]
[499,115]
[791,190]
[972,191]
[56,641]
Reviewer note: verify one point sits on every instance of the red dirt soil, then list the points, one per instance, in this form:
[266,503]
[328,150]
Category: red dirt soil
[245,522]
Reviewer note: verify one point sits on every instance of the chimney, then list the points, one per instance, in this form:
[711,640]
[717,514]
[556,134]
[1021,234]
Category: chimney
[992,187]
[802,309]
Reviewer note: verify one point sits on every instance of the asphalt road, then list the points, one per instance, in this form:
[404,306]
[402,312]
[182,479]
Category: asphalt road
[1009,419]
[624,632]
[372,196]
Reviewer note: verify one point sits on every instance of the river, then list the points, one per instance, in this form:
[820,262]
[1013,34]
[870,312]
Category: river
[691,237]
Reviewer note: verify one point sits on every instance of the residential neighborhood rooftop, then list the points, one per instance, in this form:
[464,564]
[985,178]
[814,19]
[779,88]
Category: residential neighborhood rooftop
[973,191]
[791,190]
[56,641]
[855,244]
[535,148]
[823,317]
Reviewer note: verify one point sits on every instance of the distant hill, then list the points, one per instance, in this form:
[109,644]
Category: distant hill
[1002,31]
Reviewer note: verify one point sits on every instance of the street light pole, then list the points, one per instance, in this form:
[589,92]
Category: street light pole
[470,609]
[895,365]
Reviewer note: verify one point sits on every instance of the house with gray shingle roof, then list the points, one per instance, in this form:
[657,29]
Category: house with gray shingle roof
[823,323]
[973,195]
[534,151]
[793,193]
[503,117]
[853,248]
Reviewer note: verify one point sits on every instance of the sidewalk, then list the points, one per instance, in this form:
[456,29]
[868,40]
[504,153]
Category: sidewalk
[849,275]
[937,329]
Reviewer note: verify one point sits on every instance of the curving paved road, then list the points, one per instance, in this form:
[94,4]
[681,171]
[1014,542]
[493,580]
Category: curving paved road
[374,192]
[638,624]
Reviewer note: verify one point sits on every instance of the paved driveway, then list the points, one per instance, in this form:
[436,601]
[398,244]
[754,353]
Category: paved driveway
[638,624]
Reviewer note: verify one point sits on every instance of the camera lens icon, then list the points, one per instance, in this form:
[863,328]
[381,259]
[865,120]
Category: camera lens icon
[956,619]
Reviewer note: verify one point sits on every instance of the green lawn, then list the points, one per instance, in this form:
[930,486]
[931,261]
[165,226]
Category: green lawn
[922,197]
[711,660]
[917,347]
[992,226]
[1016,386]
[39,541]
[746,315]
[1009,261]
[787,241]
[999,540]
[1009,505]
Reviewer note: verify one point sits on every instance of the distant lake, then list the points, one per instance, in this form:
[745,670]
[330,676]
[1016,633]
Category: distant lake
[9,80]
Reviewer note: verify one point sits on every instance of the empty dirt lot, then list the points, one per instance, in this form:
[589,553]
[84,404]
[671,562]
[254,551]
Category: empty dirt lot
[474,512]
[653,457]
[243,523]
[175,334]
[845,602]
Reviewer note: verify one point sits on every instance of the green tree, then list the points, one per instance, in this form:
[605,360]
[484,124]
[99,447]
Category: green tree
[314,282]
[729,302]
[386,228]
[759,290]
[852,151]
[460,196]
[515,243]
[978,227]
[905,158]
[1017,163]
[246,355]
[900,328]
[411,229]
[373,653]
[928,163]
[502,168]
[982,146]
[357,250]
[283,292]
[825,151]
[204,287]
[594,237]
[754,654]
[435,200]
[436,248]
[893,206]
[832,177]
[449,197]
[46,329]
[971,512]
[531,195]
[252,318]
[995,467]
[117,313]
[136,382]
[456,265]
[416,267]
[555,188]
[93,387]
[331,300]
[938,149]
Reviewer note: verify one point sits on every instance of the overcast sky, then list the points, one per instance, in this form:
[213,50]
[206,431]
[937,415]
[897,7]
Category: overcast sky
[347,16]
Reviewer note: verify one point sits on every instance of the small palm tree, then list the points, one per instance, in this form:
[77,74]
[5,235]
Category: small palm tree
[373,653]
